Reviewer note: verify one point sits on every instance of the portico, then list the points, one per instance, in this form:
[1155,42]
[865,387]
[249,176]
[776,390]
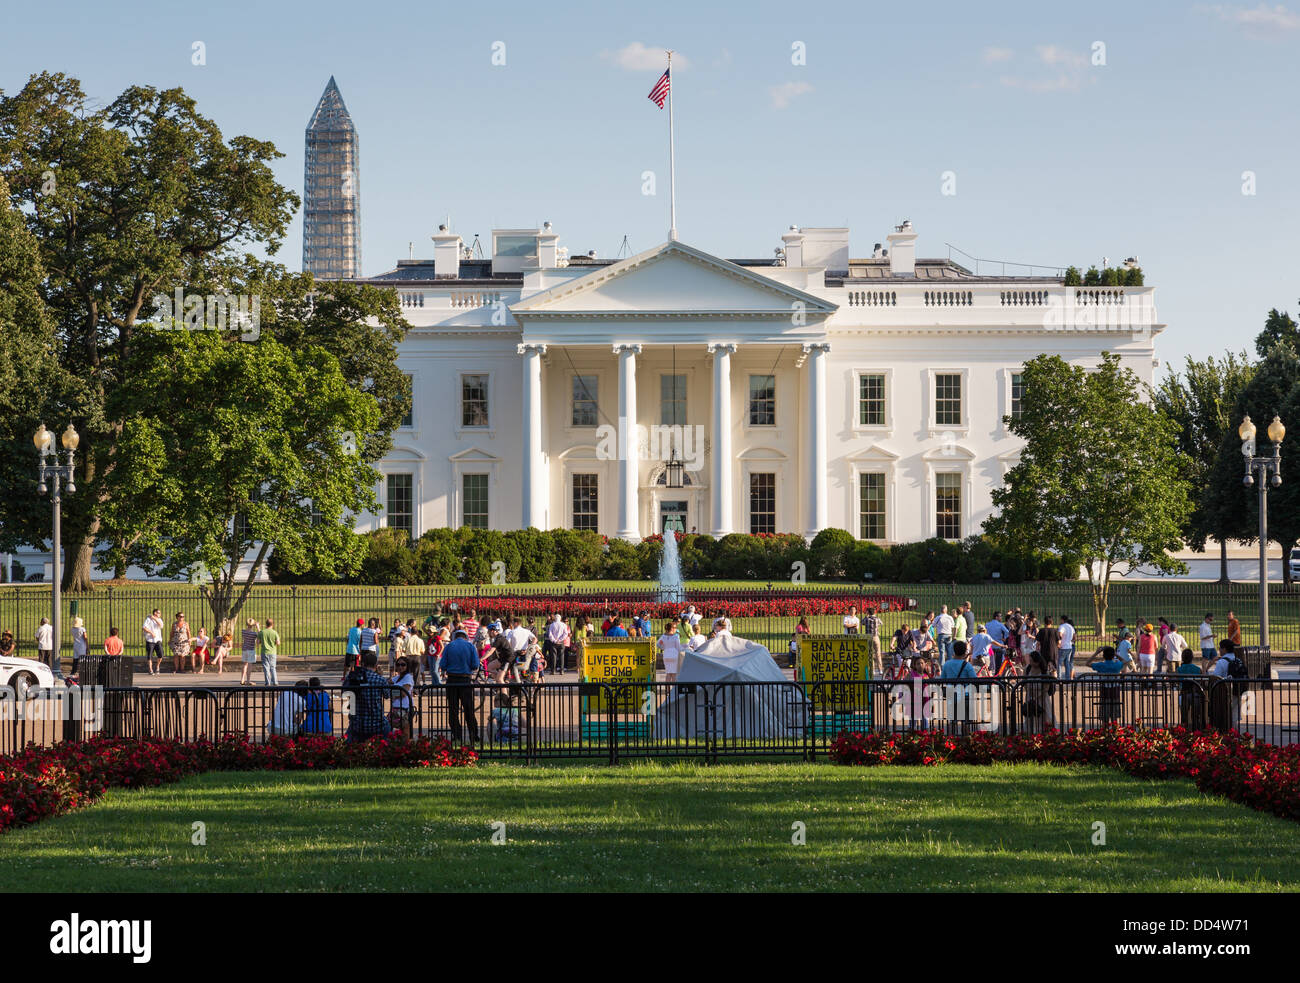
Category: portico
[676,321]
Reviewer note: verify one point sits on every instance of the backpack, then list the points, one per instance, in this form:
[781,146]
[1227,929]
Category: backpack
[1236,668]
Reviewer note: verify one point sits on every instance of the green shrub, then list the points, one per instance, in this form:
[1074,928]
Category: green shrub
[436,562]
[390,561]
[621,561]
[831,549]
[536,554]
[579,554]
[868,561]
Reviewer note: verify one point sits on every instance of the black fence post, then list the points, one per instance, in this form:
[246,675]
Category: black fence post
[293,618]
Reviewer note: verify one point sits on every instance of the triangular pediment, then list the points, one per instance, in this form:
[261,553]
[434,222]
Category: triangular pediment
[474,454]
[670,279]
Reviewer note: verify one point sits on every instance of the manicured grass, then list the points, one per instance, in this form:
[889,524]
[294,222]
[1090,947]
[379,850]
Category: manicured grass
[315,621]
[679,827]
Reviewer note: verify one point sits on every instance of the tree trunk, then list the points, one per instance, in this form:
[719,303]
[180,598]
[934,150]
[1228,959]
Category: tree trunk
[1100,599]
[1223,561]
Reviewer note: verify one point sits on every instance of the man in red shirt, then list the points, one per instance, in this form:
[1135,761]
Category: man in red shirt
[113,643]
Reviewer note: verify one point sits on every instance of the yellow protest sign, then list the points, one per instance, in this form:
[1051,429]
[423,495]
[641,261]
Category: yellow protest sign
[615,661]
[830,659]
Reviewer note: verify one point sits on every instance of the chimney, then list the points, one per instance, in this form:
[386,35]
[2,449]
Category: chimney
[793,246]
[548,252]
[902,250]
[446,254]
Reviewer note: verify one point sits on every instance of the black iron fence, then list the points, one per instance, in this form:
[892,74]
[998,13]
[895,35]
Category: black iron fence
[313,621]
[559,720]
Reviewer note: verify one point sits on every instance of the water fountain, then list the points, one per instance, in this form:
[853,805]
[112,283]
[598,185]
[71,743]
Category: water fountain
[671,588]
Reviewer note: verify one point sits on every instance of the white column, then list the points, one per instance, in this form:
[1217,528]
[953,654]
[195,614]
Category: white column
[721,497]
[536,484]
[818,480]
[629,449]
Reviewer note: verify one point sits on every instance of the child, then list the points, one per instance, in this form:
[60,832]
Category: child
[200,652]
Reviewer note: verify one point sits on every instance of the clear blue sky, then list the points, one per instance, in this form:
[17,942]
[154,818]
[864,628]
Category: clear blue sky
[1057,161]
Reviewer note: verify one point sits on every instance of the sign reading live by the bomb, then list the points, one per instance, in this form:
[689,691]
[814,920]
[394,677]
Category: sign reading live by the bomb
[614,662]
[831,659]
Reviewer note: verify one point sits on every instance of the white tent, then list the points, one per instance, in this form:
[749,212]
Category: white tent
[709,674]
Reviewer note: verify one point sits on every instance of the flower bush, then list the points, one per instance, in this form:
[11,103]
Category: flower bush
[1229,764]
[734,604]
[46,781]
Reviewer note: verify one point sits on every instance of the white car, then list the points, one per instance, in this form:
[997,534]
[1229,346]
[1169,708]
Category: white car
[22,675]
[1295,564]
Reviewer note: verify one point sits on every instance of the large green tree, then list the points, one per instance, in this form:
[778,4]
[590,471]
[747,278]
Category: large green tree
[1199,401]
[126,201]
[1098,477]
[1278,326]
[32,383]
[137,199]
[1273,389]
[251,454]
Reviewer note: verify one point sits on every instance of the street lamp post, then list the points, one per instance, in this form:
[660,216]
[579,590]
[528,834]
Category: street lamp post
[52,474]
[1269,468]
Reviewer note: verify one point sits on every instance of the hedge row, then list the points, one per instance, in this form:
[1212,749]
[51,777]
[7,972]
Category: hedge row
[484,556]
[39,782]
[1230,764]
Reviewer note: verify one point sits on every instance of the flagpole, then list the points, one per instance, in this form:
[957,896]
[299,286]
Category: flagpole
[672,160]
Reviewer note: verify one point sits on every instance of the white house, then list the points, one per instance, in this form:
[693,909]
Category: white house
[801,392]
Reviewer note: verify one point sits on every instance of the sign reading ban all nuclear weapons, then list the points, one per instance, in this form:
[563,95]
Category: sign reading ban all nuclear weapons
[614,662]
[830,659]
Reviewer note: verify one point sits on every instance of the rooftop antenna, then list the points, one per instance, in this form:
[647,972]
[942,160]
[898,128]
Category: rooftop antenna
[625,249]
[410,250]
[476,247]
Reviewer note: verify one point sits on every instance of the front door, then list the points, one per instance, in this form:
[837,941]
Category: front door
[672,515]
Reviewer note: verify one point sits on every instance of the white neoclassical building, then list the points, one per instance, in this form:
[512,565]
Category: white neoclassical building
[800,392]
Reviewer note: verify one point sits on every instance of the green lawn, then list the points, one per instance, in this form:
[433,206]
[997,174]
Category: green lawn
[661,828]
[313,621]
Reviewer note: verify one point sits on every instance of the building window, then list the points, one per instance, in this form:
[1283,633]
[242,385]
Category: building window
[586,501]
[408,420]
[672,400]
[762,400]
[1017,394]
[585,390]
[871,400]
[871,506]
[473,401]
[762,502]
[947,506]
[474,490]
[947,400]
[400,514]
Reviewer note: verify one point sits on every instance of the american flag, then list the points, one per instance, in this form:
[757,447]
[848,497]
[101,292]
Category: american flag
[660,92]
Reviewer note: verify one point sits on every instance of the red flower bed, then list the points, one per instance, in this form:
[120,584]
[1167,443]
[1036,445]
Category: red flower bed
[734,604]
[39,781]
[1228,764]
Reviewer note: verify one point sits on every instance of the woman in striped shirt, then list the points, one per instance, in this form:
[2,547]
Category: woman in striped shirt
[248,647]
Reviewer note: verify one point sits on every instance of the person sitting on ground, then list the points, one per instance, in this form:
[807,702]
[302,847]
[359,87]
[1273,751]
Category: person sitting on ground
[316,719]
[1191,701]
[957,667]
[403,679]
[369,688]
[1109,664]
[290,709]
[220,650]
